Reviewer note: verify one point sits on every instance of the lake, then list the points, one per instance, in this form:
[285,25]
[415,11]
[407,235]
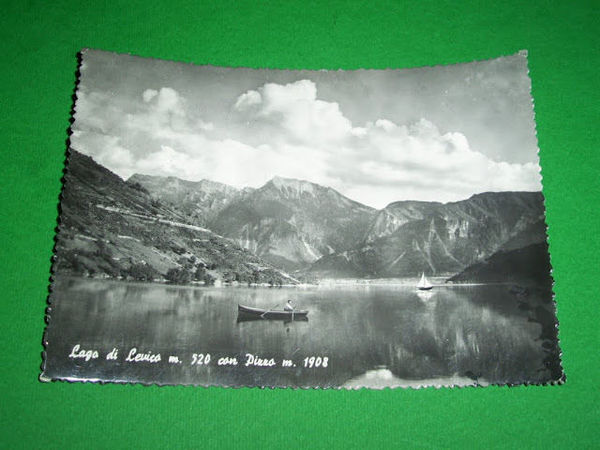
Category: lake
[357,335]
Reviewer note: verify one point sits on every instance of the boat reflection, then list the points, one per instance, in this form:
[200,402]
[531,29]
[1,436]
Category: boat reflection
[425,295]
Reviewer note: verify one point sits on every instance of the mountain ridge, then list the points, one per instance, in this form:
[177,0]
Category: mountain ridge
[292,222]
[525,266]
[197,200]
[407,238]
[113,229]
[314,230]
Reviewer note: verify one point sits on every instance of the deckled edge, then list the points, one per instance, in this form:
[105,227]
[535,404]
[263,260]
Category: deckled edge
[301,70]
[49,298]
[399,387]
[46,379]
[563,377]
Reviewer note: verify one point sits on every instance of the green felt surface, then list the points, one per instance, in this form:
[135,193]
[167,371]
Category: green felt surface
[40,40]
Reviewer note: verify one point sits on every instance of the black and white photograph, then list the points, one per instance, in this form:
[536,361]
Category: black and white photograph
[348,229]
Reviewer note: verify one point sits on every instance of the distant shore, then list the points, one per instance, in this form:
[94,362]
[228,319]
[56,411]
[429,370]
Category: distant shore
[437,282]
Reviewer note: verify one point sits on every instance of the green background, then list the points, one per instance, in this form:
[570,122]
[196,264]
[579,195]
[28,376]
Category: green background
[40,41]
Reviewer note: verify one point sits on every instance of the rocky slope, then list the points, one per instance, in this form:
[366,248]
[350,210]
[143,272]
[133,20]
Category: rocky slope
[407,238]
[199,201]
[293,223]
[524,266]
[111,228]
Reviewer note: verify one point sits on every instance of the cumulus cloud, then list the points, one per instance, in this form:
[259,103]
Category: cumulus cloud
[287,130]
[295,108]
[110,152]
[247,100]
[149,94]
[419,162]
[164,109]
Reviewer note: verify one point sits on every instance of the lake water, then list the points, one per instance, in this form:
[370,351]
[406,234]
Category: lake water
[375,336]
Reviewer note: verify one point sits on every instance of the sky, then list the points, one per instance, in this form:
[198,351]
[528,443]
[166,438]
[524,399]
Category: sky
[438,133]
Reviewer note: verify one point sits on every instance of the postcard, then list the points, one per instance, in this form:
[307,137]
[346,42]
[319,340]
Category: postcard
[294,228]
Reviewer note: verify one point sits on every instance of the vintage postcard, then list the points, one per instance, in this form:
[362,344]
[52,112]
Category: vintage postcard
[280,228]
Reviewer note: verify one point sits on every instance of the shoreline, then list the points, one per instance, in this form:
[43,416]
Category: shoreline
[408,282]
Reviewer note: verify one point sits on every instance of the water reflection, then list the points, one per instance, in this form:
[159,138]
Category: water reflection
[372,335]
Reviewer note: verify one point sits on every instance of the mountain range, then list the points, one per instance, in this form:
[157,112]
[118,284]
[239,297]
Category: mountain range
[293,223]
[407,238]
[198,201]
[288,226]
[117,229]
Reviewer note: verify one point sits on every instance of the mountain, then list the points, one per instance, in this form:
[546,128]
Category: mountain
[149,224]
[532,234]
[528,265]
[113,228]
[292,223]
[199,201]
[396,214]
[407,238]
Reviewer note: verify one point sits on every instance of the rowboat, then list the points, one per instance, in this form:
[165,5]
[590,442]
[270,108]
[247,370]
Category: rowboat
[243,317]
[272,314]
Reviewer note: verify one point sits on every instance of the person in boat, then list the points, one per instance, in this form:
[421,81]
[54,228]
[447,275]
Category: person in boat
[289,306]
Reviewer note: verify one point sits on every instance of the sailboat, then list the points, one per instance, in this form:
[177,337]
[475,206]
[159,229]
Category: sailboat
[424,284]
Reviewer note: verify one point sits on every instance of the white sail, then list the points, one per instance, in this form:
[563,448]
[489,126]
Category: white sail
[424,283]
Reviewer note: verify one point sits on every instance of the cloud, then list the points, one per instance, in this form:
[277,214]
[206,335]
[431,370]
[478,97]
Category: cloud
[378,162]
[228,161]
[287,130]
[149,94]
[168,101]
[164,109]
[108,151]
[247,100]
[294,107]
[418,162]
